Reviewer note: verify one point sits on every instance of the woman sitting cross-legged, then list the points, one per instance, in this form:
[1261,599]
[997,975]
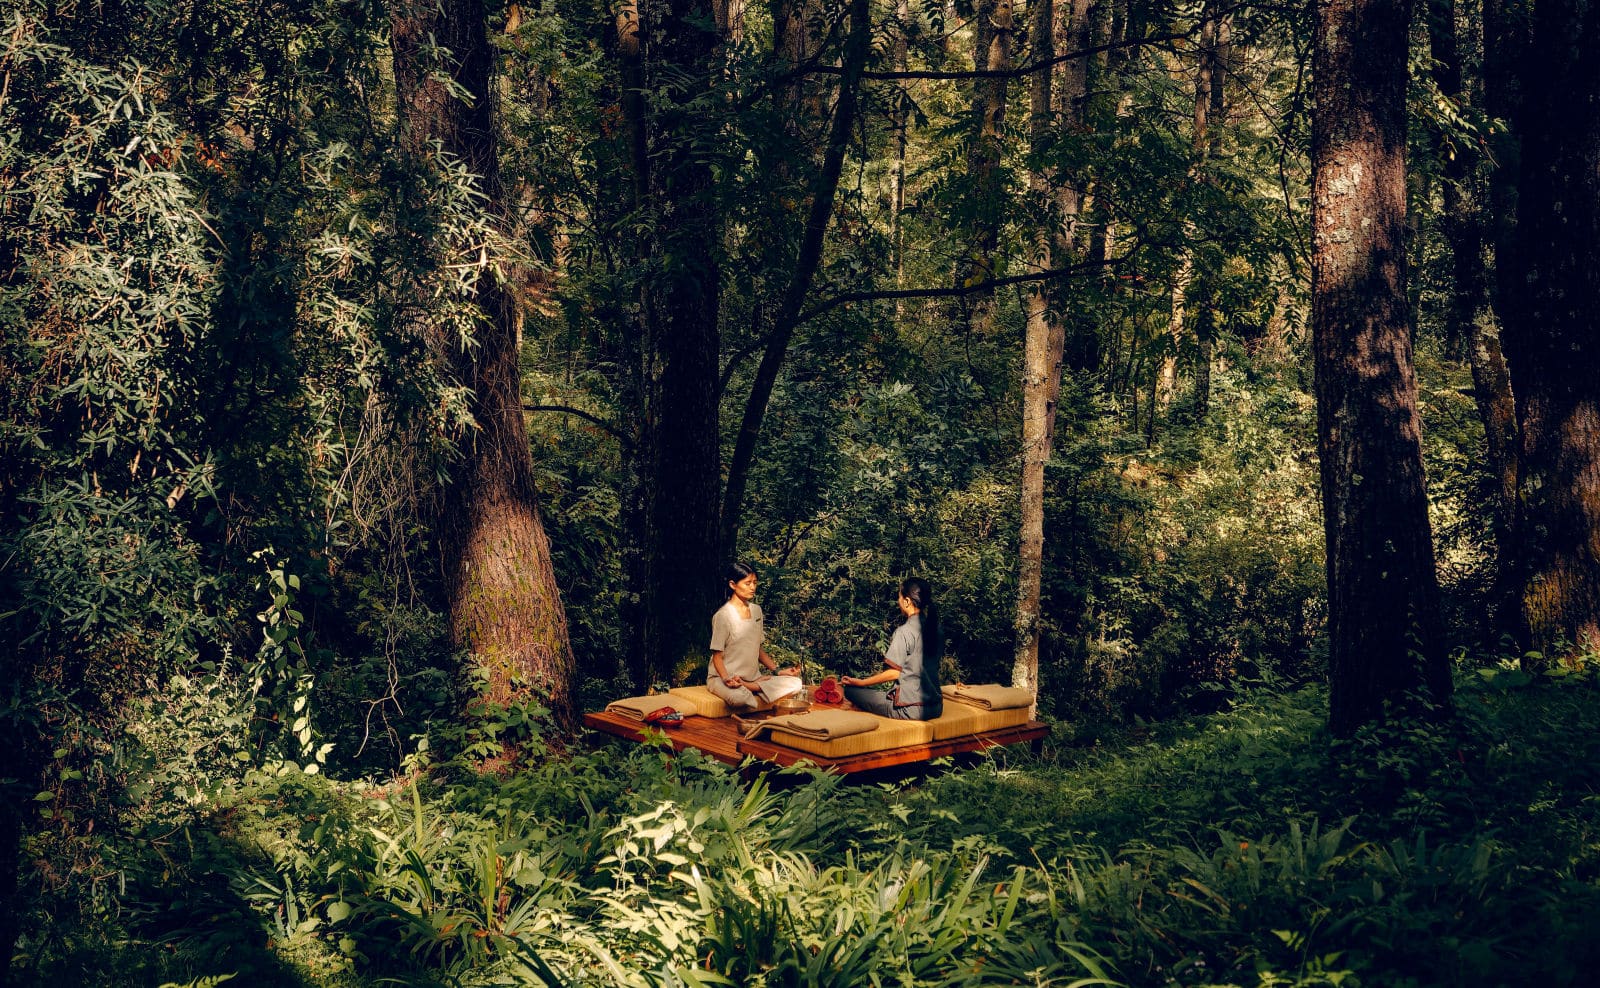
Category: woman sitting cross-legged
[912,676]
[737,635]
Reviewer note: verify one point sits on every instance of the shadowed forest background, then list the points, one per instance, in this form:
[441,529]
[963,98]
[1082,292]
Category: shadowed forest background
[387,383]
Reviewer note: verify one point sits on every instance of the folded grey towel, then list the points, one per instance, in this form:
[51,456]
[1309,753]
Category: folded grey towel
[635,707]
[820,725]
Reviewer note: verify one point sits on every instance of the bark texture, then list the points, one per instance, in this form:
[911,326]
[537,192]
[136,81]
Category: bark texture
[730,20]
[677,484]
[505,607]
[1040,363]
[1551,328]
[1044,333]
[1382,587]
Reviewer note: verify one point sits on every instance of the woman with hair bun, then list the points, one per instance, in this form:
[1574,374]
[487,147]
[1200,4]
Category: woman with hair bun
[737,636]
[913,663]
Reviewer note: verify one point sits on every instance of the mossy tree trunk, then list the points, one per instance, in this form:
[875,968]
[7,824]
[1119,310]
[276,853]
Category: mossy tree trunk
[505,607]
[1383,606]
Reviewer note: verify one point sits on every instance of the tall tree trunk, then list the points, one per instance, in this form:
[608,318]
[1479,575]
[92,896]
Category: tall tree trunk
[1506,33]
[791,43]
[1383,592]
[1080,232]
[1166,385]
[1041,364]
[1210,141]
[730,21]
[1552,336]
[22,743]
[1071,94]
[679,434]
[1470,316]
[1184,276]
[992,31]
[1045,335]
[902,128]
[505,607]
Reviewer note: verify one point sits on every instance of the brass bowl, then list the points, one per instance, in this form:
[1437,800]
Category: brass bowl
[792,705]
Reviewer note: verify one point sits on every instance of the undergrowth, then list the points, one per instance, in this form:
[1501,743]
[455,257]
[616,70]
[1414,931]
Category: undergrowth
[1241,848]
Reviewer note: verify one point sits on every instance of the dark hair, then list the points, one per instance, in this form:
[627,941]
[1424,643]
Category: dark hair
[917,590]
[736,572]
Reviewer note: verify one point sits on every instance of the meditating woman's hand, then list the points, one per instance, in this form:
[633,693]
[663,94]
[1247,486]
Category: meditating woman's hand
[850,680]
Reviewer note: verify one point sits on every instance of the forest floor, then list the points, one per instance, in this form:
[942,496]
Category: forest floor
[1240,848]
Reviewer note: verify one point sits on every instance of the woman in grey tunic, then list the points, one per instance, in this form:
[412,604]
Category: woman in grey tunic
[912,676]
[737,633]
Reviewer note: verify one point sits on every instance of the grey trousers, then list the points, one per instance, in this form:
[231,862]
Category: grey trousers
[877,701]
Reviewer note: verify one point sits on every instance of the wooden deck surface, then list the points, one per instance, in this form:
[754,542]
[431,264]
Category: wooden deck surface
[719,737]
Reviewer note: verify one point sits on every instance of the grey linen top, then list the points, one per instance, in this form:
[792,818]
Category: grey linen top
[739,641]
[918,684]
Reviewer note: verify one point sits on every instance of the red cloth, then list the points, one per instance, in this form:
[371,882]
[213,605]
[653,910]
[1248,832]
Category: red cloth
[664,717]
[828,692]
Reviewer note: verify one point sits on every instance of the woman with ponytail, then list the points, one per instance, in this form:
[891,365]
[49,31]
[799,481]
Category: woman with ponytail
[912,676]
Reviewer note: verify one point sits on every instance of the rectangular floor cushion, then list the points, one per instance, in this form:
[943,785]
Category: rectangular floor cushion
[636,707]
[959,719]
[888,734]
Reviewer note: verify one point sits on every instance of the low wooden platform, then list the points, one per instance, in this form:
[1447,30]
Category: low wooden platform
[719,737]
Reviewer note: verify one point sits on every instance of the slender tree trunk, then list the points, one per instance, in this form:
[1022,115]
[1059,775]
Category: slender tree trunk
[1184,276]
[1069,99]
[1079,22]
[791,42]
[1383,630]
[1470,316]
[505,607]
[902,128]
[1041,365]
[1216,55]
[992,51]
[1166,385]
[824,186]
[1552,337]
[1045,338]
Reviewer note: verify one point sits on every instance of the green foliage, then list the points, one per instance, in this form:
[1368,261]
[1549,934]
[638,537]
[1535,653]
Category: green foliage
[1241,848]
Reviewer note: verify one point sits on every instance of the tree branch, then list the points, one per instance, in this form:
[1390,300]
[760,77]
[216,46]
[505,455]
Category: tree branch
[1020,71]
[595,420]
[1039,66]
[981,286]
[824,188]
